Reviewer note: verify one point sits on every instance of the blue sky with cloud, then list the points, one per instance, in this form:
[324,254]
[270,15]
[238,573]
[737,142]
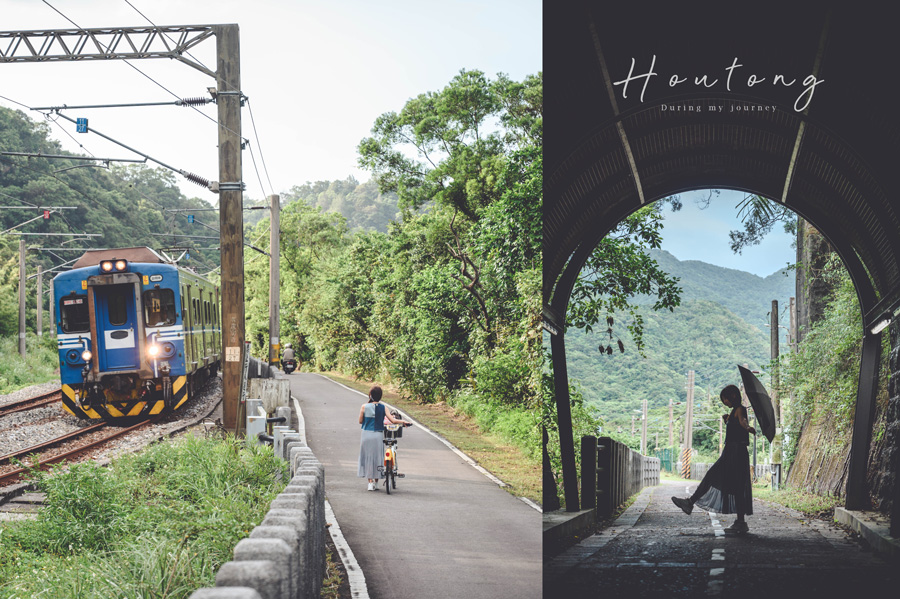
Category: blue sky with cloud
[702,234]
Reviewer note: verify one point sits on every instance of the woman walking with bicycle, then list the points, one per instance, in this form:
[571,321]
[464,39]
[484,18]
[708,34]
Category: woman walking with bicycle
[371,417]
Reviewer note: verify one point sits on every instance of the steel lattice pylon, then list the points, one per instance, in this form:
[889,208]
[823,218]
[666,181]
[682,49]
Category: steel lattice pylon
[105,43]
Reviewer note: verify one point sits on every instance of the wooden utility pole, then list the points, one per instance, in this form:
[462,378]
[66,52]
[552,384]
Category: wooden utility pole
[773,337]
[644,427]
[231,222]
[22,297]
[274,280]
[40,300]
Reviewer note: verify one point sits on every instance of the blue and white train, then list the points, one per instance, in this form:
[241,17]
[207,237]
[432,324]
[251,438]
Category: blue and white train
[137,335]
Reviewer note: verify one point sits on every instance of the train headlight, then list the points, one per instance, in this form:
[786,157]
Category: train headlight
[121,265]
[106,266]
[153,350]
[86,355]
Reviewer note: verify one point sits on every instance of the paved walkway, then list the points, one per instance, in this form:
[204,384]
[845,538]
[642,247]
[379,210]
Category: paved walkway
[447,531]
[656,550]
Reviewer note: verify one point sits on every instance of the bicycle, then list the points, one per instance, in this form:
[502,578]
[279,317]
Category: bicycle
[389,469]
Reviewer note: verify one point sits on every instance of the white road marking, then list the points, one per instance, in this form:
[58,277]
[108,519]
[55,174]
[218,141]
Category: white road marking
[455,450]
[715,584]
[355,576]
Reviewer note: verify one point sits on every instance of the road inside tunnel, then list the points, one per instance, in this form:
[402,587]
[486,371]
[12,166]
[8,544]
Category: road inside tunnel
[655,550]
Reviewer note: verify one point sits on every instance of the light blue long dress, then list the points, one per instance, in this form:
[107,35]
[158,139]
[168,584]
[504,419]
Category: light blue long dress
[370,445]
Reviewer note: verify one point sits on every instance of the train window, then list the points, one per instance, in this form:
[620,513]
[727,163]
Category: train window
[159,307]
[116,305]
[73,313]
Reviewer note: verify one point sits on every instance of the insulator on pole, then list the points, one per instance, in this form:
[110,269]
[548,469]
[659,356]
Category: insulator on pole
[195,179]
[194,101]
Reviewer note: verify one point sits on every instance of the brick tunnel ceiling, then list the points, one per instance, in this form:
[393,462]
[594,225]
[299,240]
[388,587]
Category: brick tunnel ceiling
[848,143]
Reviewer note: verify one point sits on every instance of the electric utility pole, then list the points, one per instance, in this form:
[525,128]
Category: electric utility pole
[40,301]
[231,220]
[773,337]
[671,419]
[644,427]
[22,297]
[274,280]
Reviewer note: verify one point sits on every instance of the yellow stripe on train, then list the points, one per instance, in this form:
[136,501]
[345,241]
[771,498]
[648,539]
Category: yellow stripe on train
[178,384]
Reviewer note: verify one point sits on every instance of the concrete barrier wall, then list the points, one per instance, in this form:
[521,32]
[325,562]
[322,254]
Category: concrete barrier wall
[612,472]
[284,557]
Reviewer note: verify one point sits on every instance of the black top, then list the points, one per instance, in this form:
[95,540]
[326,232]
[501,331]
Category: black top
[734,432]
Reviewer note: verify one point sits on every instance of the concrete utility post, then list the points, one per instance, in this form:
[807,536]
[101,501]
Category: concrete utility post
[689,415]
[40,301]
[231,221]
[644,427]
[52,312]
[773,336]
[793,325]
[274,280]
[22,297]
[671,421]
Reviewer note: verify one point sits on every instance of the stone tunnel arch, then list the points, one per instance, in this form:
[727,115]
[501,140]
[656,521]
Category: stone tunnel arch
[610,155]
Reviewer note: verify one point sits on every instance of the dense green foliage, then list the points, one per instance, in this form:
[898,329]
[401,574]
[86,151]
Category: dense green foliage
[124,205]
[445,304]
[40,364]
[618,272]
[822,377]
[155,524]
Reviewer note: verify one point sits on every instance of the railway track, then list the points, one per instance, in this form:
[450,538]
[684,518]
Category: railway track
[31,403]
[10,476]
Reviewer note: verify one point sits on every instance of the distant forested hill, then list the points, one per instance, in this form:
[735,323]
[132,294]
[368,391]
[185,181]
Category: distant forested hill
[720,323]
[364,207]
[747,295]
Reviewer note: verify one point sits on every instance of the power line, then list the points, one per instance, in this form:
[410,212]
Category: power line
[261,157]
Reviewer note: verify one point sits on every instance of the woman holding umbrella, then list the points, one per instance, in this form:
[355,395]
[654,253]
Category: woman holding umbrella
[726,487]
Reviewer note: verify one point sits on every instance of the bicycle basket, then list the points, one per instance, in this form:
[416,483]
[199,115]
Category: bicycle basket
[393,431]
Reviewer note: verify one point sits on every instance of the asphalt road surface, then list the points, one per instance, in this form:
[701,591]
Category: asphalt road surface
[656,550]
[447,531]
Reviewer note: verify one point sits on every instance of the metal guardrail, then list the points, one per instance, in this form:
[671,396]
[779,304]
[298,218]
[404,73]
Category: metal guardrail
[612,472]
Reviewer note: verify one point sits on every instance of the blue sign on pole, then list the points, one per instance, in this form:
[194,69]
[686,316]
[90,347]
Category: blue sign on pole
[187,256]
[81,125]
[190,218]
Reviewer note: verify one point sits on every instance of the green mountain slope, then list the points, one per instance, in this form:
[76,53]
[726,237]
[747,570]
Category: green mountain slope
[720,323]
[746,295]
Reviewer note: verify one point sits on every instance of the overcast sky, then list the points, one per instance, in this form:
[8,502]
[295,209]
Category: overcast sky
[695,234]
[317,74]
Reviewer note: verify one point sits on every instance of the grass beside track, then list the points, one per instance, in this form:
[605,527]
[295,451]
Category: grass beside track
[158,523]
[504,460]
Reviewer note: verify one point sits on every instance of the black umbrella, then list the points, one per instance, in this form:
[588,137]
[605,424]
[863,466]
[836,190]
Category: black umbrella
[761,403]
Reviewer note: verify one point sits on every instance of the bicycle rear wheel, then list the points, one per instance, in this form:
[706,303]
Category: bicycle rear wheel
[388,475]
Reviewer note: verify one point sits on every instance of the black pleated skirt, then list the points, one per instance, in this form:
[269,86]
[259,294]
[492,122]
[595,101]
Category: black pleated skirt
[729,479]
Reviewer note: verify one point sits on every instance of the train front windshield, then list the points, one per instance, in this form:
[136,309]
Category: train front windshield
[159,307]
[74,314]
